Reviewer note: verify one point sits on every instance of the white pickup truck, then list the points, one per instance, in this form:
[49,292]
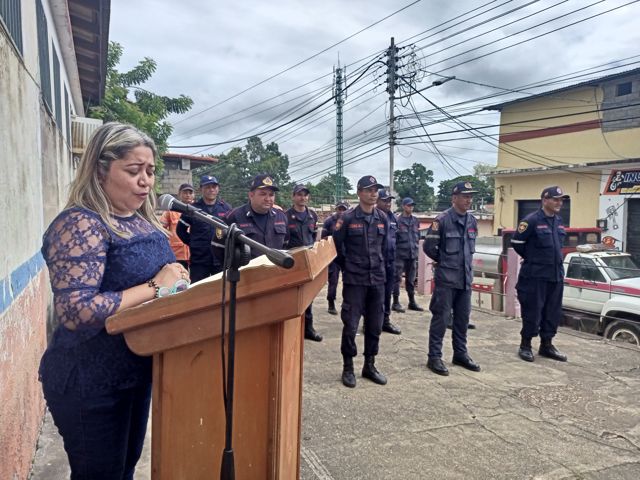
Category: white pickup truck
[602,293]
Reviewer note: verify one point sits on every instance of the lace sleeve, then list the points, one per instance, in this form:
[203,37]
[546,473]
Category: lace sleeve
[75,248]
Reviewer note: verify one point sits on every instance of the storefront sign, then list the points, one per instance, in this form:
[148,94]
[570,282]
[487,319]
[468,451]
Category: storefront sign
[623,182]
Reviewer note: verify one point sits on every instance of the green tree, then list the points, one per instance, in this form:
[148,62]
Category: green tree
[146,110]
[414,182]
[325,190]
[484,195]
[236,169]
[483,171]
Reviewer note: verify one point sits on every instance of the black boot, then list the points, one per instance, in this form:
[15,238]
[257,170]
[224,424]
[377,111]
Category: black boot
[332,307]
[348,377]
[311,334]
[413,305]
[396,307]
[524,351]
[370,371]
[389,327]
[548,350]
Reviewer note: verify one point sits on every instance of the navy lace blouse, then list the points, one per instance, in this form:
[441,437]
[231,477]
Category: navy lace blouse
[89,267]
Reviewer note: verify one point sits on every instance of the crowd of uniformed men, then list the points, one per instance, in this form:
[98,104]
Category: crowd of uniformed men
[375,249]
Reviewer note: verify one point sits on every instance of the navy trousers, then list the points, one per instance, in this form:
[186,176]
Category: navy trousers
[199,271]
[308,319]
[443,301]
[334,274]
[541,307]
[357,301]
[388,289]
[103,435]
[408,267]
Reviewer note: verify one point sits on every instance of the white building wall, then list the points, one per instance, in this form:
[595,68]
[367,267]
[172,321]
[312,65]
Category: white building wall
[35,172]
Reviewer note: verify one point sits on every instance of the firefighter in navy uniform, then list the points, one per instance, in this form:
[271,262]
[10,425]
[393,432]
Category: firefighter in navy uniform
[199,235]
[406,260]
[361,240]
[302,225]
[538,240]
[328,227]
[384,203]
[258,218]
[450,242]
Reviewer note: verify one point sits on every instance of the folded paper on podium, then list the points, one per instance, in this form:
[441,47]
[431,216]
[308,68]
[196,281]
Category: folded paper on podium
[183,333]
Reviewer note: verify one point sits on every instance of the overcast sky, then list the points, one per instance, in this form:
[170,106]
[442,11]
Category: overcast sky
[212,51]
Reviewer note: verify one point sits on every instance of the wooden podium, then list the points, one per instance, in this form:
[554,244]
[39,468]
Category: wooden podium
[183,333]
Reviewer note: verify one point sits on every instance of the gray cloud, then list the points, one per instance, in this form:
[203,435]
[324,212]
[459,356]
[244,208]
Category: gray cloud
[213,50]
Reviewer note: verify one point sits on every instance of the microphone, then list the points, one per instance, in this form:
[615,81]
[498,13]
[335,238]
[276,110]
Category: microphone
[169,202]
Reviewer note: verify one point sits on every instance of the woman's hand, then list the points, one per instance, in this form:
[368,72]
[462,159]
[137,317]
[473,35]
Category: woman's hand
[170,274]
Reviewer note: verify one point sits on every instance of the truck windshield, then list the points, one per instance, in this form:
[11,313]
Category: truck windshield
[620,267]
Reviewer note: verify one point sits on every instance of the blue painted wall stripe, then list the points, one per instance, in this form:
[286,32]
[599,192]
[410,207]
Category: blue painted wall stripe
[13,285]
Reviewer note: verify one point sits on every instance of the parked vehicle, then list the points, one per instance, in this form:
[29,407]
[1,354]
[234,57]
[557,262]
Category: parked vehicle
[602,293]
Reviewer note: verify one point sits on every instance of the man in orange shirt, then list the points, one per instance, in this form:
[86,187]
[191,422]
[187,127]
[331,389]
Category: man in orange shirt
[170,221]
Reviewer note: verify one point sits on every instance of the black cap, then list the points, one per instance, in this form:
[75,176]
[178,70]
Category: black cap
[462,188]
[300,188]
[185,186]
[368,181]
[342,204]
[384,194]
[264,180]
[408,201]
[553,192]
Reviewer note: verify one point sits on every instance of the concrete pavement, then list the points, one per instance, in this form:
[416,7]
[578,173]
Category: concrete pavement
[512,420]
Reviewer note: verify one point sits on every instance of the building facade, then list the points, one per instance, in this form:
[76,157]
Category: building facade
[178,170]
[52,63]
[583,138]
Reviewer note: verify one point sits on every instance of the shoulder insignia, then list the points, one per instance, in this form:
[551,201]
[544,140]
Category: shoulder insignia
[522,227]
[338,224]
[435,226]
[219,233]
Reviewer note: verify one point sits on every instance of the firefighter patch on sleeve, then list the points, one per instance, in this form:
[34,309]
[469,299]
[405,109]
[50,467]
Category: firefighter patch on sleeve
[522,227]
[435,226]
[338,224]
[219,233]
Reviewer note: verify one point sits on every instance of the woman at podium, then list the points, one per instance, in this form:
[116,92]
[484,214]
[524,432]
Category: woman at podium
[106,251]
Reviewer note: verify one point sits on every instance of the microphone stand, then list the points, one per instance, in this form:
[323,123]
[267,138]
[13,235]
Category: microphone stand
[237,254]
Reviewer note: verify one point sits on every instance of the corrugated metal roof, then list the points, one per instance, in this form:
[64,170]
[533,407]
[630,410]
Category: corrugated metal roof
[591,82]
[90,27]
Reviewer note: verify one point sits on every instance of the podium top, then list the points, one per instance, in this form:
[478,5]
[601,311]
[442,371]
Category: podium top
[265,291]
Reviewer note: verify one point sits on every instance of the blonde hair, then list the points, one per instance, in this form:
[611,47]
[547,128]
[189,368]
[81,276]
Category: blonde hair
[112,141]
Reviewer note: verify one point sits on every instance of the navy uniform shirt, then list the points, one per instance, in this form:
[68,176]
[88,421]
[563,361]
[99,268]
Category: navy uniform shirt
[408,237]
[200,234]
[451,243]
[273,234]
[361,244]
[302,228]
[538,240]
[391,238]
[329,225]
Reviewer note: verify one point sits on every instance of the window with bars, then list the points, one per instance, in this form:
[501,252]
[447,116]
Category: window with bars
[11,14]
[57,93]
[43,55]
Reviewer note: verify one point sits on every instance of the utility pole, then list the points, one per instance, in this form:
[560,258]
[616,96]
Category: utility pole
[391,88]
[339,101]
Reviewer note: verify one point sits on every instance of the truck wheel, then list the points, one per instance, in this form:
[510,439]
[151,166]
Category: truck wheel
[624,332]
